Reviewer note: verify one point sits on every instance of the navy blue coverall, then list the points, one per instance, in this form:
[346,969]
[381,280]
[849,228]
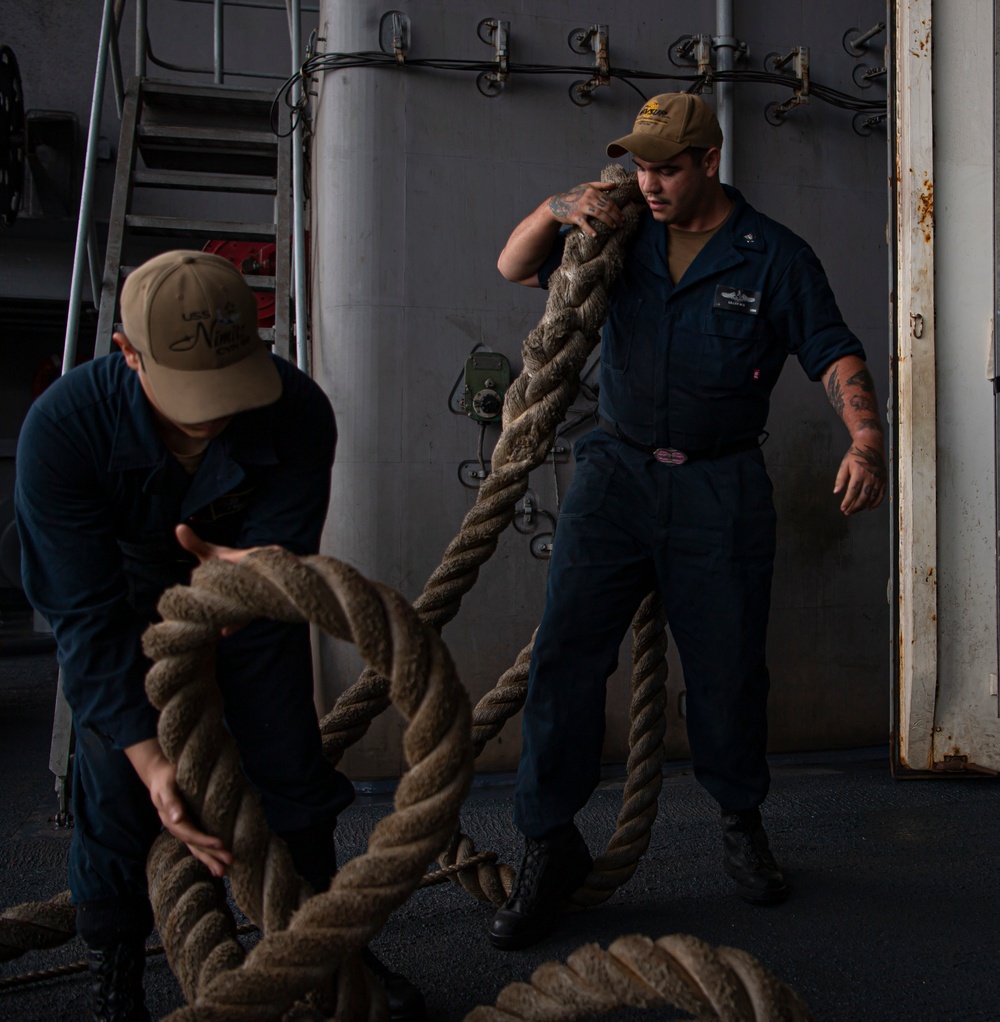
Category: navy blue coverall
[688,366]
[97,499]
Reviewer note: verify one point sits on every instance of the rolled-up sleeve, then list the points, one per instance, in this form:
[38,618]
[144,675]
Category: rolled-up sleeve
[807,318]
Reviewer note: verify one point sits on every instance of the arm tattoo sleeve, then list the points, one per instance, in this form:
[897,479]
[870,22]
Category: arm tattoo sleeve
[835,393]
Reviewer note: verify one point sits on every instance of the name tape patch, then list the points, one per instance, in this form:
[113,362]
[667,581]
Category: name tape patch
[736,299]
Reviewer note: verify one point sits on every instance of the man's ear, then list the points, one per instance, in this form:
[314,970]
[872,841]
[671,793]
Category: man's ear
[132,358]
[711,161]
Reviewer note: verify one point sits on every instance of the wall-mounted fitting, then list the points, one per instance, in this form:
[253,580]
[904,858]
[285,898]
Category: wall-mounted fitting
[590,40]
[394,35]
[740,49]
[865,76]
[865,123]
[528,518]
[487,377]
[472,473]
[692,51]
[701,51]
[798,58]
[495,33]
[855,41]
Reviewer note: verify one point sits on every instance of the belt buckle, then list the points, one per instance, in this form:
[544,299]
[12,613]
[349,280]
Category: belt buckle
[669,456]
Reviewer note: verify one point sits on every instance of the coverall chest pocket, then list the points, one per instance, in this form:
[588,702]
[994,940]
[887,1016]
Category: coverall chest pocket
[730,349]
[619,336]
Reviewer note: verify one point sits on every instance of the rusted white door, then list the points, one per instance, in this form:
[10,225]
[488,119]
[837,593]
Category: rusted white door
[945,588]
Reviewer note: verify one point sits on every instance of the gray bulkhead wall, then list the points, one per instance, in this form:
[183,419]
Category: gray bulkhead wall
[417,181]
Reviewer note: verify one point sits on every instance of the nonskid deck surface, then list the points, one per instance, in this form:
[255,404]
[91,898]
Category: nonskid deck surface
[893,913]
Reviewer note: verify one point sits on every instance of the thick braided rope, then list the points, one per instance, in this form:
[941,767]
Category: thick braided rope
[305,940]
[554,355]
[491,881]
[36,926]
[640,798]
[711,984]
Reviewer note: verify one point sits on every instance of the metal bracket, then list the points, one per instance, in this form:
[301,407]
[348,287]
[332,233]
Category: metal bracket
[394,35]
[864,75]
[692,51]
[865,124]
[798,57]
[855,39]
[699,50]
[470,474]
[495,33]
[590,40]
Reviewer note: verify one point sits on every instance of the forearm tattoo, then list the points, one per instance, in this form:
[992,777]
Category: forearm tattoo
[835,393]
[562,204]
[863,380]
[872,459]
[862,403]
[857,394]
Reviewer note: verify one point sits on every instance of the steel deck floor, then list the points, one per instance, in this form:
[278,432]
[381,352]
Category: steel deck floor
[893,914]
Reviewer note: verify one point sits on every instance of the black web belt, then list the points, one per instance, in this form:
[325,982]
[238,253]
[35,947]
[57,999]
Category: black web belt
[673,456]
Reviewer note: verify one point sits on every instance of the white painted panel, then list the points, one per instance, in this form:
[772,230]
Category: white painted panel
[916,450]
[966,728]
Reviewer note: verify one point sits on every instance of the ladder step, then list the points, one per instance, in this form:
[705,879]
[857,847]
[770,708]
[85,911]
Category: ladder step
[212,137]
[164,95]
[193,182]
[254,282]
[208,150]
[224,229]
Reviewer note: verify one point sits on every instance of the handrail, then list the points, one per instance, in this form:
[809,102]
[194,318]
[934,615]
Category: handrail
[108,52]
[83,233]
[298,191]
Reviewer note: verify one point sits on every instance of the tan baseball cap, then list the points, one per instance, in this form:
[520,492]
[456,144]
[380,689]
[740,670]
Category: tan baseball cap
[667,125]
[193,319]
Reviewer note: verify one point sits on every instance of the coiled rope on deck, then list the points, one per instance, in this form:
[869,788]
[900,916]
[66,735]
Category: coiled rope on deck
[305,938]
[712,984]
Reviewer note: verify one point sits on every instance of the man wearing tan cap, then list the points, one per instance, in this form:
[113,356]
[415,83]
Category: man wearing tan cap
[192,443]
[671,492]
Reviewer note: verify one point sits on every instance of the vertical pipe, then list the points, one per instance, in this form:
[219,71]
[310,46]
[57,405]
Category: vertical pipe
[87,190]
[141,35]
[217,31]
[725,42]
[298,228]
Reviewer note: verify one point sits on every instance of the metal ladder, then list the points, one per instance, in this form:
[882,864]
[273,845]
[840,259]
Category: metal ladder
[199,139]
[186,138]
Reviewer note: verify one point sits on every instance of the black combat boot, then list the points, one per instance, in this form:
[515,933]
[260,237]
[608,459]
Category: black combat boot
[551,870]
[748,860]
[116,982]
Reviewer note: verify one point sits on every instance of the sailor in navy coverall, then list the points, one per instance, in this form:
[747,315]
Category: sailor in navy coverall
[671,492]
[98,498]
[193,443]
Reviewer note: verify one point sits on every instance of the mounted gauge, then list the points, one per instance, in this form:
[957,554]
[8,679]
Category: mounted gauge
[487,377]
